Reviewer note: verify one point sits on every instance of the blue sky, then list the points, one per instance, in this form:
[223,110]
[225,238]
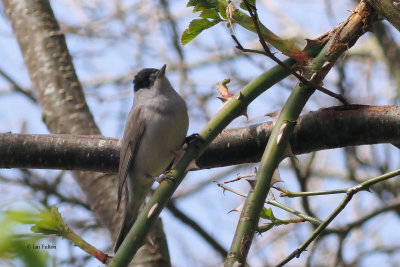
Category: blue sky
[113,54]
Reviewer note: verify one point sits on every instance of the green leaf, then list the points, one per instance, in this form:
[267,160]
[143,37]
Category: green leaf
[51,223]
[210,14]
[243,5]
[25,217]
[200,5]
[210,17]
[267,214]
[195,28]
[19,246]
[222,8]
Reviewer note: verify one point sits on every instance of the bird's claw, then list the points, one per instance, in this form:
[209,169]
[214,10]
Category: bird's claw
[165,176]
[193,138]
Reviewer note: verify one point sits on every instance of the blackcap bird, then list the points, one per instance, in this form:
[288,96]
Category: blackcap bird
[156,127]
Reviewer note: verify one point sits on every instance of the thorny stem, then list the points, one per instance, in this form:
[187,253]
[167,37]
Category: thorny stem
[287,193]
[274,203]
[341,39]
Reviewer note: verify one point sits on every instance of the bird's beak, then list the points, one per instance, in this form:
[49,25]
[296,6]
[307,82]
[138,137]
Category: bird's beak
[161,73]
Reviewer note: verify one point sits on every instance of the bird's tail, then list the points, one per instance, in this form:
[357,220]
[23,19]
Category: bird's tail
[131,212]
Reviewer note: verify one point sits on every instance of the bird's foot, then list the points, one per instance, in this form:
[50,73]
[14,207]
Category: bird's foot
[165,176]
[193,138]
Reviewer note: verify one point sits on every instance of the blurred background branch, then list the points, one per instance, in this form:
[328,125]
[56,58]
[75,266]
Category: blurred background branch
[109,41]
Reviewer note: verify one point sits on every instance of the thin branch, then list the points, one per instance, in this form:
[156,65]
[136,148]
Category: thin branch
[16,87]
[274,203]
[50,188]
[268,53]
[239,177]
[184,192]
[197,228]
[302,178]
[175,36]
[359,222]
[350,193]
[287,193]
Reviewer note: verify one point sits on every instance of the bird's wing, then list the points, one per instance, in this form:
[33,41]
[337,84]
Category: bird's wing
[134,130]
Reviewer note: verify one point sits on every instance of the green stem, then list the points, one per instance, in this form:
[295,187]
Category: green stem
[388,10]
[287,193]
[78,241]
[293,211]
[269,162]
[341,39]
[232,109]
[276,204]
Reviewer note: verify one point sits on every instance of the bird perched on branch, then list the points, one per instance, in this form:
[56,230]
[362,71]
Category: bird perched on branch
[156,127]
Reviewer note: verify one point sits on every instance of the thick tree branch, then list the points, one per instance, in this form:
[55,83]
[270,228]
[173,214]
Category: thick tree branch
[58,89]
[323,129]
[61,98]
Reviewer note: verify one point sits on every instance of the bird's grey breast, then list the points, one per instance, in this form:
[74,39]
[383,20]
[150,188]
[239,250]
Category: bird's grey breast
[166,124]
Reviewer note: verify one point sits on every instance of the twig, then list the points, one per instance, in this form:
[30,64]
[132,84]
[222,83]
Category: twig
[276,204]
[303,178]
[239,177]
[350,193]
[16,87]
[197,228]
[190,191]
[268,53]
[287,193]
[345,229]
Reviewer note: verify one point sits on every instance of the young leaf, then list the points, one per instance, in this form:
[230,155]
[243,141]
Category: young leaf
[210,13]
[222,8]
[195,28]
[267,214]
[213,10]
[199,5]
[51,222]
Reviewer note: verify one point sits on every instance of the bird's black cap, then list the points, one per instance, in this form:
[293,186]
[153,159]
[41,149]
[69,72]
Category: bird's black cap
[146,77]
